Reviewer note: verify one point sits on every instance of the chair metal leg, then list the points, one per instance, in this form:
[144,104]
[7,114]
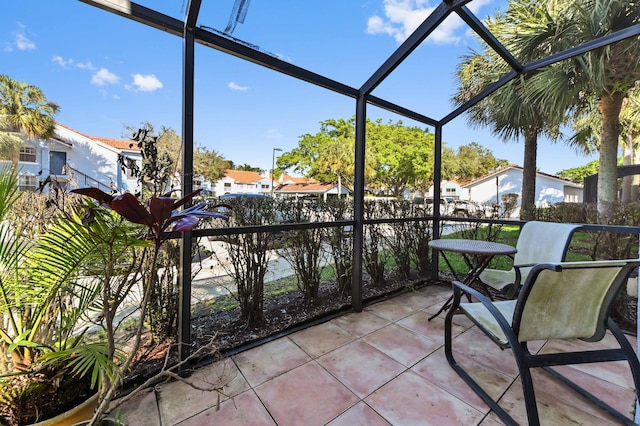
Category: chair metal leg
[632,358]
[521,355]
[591,397]
[448,337]
[627,350]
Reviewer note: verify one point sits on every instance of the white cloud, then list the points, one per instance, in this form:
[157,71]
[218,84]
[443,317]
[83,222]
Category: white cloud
[104,77]
[146,83]
[234,86]
[23,43]
[68,63]
[20,40]
[62,62]
[402,17]
[86,66]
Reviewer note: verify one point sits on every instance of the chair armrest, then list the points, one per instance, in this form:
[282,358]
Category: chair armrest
[524,265]
[515,288]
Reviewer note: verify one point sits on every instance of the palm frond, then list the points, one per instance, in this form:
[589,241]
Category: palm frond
[90,358]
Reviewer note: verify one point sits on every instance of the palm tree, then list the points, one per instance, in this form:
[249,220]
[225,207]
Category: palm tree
[587,125]
[630,120]
[506,112]
[606,74]
[24,110]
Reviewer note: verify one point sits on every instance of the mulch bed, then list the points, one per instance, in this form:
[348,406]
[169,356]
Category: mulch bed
[229,333]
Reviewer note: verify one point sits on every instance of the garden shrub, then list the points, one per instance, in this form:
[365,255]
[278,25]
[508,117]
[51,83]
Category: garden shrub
[374,256]
[399,236]
[340,238]
[303,248]
[420,250]
[249,253]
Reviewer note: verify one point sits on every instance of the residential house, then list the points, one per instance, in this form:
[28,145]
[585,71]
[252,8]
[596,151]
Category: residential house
[242,182]
[71,159]
[311,188]
[550,189]
[448,189]
[288,179]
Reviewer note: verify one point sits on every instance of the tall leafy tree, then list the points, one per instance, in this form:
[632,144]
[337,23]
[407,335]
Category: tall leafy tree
[245,167]
[404,156]
[209,163]
[577,174]
[24,112]
[606,74]
[475,161]
[168,144]
[397,157]
[327,155]
[507,112]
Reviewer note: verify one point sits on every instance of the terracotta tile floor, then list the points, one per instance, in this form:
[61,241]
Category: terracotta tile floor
[383,366]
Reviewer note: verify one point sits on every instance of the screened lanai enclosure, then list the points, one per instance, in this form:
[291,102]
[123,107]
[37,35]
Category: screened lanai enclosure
[367,81]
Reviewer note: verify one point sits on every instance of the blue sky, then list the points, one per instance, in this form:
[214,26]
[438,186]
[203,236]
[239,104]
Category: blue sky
[107,72]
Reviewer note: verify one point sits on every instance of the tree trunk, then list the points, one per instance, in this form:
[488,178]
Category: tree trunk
[625,196]
[635,179]
[528,203]
[610,106]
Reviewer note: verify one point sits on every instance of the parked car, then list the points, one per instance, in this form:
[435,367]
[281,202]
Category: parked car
[466,208]
[446,206]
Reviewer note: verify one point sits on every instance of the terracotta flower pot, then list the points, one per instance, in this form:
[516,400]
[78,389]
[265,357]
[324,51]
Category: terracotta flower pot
[77,414]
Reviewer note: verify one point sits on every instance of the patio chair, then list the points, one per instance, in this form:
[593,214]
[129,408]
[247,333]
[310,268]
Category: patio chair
[538,242]
[563,300]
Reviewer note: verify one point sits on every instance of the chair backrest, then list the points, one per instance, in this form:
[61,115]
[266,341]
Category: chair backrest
[540,242]
[569,299]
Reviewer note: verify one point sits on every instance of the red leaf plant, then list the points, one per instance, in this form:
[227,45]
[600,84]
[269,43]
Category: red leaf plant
[160,216]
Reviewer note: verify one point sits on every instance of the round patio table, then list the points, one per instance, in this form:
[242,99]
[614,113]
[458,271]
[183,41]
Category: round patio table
[476,254]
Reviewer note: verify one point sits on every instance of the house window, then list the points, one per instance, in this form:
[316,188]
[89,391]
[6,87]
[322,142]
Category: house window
[28,154]
[129,166]
[130,172]
[27,183]
[227,185]
[57,162]
[450,190]
[265,187]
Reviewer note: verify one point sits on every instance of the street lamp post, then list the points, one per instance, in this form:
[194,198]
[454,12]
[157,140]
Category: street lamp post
[273,167]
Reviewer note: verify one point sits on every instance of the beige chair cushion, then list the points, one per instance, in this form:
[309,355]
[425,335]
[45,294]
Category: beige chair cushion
[565,304]
[481,316]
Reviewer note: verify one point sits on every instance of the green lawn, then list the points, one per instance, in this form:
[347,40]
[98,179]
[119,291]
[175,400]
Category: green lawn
[579,249]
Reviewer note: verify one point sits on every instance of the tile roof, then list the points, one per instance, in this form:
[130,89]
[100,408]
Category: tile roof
[114,143]
[243,176]
[294,179]
[312,187]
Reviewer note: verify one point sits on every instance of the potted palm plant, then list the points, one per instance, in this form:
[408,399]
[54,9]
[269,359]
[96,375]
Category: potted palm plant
[155,220]
[39,273]
[80,273]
